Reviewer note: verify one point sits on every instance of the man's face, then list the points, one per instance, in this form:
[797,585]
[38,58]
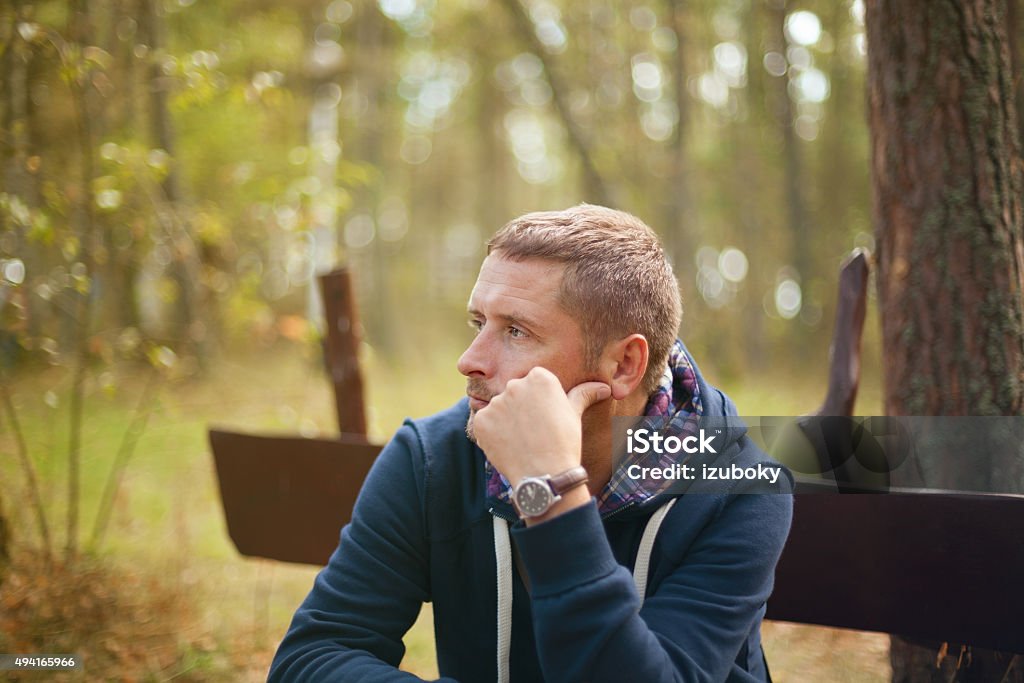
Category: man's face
[520,325]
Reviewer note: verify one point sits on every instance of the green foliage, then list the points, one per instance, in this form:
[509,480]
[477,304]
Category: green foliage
[447,125]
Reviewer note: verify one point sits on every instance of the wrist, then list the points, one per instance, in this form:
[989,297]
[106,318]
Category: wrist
[570,500]
[535,496]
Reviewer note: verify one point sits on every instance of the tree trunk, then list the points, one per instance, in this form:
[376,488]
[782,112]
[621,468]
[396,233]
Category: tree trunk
[947,185]
[1013,21]
[681,221]
[123,254]
[5,553]
[373,61]
[189,328]
[16,147]
[782,113]
[80,30]
[492,201]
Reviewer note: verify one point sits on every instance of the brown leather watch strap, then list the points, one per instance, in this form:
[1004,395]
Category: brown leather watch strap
[568,480]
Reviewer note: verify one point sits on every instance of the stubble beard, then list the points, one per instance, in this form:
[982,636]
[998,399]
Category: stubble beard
[479,389]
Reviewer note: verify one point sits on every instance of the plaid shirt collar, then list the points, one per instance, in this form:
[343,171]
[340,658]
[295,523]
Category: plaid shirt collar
[676,398]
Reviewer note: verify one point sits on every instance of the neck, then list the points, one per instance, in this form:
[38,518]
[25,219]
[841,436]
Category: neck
[599,438]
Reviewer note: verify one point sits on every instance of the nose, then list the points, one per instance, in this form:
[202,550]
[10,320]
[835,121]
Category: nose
[475,361]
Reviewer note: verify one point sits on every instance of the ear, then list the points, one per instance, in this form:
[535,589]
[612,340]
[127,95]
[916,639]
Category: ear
[626,362]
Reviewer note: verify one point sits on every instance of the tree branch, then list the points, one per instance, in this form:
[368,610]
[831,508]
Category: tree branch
[597,189]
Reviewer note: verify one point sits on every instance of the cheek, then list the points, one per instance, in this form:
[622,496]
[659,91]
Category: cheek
[568,374]
[573,360]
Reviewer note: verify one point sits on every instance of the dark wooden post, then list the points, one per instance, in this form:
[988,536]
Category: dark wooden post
[341,350]
[833,439]
[844,366]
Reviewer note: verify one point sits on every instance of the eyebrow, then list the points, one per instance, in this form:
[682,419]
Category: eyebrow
[515,317]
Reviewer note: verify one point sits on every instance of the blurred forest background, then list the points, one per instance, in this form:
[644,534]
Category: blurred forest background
[173,174]
[191,164]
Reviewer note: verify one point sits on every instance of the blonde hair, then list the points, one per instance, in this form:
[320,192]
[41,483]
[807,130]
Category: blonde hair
[617,280]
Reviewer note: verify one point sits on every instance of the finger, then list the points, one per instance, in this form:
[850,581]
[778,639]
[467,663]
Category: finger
[584,395]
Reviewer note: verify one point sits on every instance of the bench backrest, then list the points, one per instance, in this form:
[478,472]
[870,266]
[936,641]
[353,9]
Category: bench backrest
[929,565]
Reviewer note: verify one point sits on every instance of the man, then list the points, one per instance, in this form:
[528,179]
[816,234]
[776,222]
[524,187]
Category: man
[576,314]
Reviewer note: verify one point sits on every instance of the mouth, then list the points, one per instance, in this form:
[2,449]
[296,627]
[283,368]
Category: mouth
[476,403]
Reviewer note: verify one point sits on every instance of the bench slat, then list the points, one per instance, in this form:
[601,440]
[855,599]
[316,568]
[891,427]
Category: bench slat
[287,498]
[924,564]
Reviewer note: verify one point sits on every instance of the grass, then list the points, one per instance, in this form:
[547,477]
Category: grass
[166,596]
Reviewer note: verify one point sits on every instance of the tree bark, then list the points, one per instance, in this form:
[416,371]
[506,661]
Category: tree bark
[1013,21]
[947,186]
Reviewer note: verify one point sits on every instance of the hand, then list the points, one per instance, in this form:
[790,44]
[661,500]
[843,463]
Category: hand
[533,427]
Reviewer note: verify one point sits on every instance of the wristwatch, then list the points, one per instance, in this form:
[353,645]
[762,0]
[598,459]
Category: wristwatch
[533,496]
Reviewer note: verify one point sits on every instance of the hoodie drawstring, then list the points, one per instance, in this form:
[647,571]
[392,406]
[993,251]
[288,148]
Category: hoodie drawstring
[503,558]
[643,554]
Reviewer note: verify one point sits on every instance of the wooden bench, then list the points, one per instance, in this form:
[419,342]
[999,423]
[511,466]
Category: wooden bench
[927,565]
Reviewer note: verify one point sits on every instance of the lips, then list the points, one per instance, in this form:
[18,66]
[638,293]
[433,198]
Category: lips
[478,392]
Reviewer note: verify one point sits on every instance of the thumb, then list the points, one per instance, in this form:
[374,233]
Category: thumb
[584,395]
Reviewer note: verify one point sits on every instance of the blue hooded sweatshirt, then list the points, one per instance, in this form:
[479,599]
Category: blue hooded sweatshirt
[424,530]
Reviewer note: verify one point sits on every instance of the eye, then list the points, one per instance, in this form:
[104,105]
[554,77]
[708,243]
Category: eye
[516,333]
[476,324]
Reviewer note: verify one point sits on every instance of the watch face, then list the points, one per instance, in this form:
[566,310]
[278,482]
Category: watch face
[533,498]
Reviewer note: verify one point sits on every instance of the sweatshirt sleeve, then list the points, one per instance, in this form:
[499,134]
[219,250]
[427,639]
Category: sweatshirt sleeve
[586,611]
[351,624]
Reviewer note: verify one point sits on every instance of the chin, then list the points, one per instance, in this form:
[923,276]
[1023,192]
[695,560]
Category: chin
[469,427]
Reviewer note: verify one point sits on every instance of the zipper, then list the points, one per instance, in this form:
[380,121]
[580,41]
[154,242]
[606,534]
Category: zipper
[494,511]
[625,507]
